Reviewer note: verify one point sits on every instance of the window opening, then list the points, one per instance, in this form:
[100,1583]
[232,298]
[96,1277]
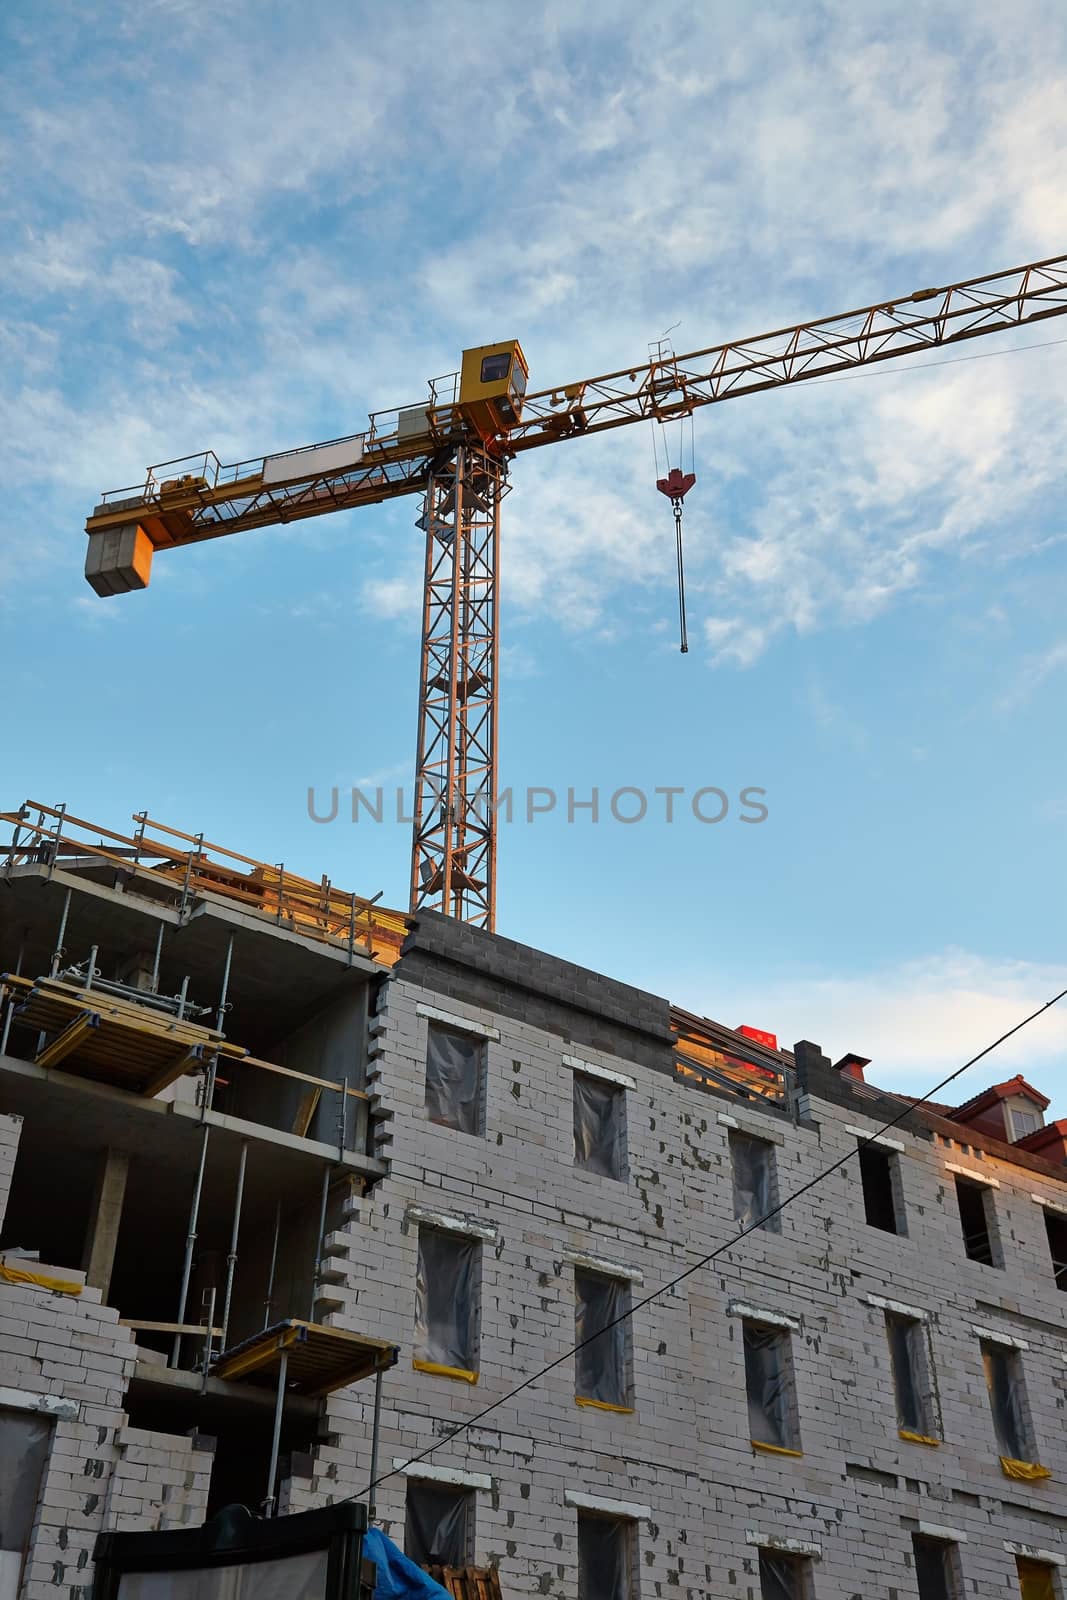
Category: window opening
[600,1368]
[936,1568]
[784,1577]
[1056,1230]
[912,1379]
[878,1174]
[446,1303]
[1007,1400]
[438,1525]
[24,1441]
[772,1418]
[455,1073]
[975,1205]
[1036,1579]
[753,1181]
[605,1557]
[599,1126]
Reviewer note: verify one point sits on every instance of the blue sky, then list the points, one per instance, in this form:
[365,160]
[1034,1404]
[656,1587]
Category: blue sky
[243,227]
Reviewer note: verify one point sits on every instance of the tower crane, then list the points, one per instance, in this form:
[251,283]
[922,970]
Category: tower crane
[454,449]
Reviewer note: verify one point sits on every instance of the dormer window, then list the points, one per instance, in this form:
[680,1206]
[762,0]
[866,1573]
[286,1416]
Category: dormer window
[1023,1122]
[1008,1111]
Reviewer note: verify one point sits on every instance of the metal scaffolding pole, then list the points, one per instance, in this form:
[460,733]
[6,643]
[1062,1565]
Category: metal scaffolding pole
[59,952]
[319,1241]
[271,1502]
[268,1303]
[190,1244]
[374,1438]
[231,1259]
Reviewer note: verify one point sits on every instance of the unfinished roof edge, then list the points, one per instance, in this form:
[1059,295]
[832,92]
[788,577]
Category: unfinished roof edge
[176,875]
[816,1076]
[184,870]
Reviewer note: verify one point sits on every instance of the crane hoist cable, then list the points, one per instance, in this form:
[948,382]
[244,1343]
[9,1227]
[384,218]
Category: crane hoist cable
[676,484]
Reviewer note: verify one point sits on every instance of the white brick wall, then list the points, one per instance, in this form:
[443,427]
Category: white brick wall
[99,1473]
[858,1491]
[10,1129]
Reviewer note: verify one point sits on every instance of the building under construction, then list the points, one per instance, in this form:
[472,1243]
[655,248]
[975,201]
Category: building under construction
[294,1187]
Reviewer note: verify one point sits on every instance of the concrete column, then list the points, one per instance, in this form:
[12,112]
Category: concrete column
[105,1216]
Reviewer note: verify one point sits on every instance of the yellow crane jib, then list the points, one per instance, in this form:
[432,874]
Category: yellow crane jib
[454,451]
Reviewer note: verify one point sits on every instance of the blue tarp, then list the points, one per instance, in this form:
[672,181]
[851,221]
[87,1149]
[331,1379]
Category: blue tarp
[398,1578]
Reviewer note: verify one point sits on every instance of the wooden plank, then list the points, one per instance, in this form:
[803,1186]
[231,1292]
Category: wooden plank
[468,1583]
[166,1075]
[309,1104]
[304,1077]
[52,990]
[67,1042]
[318,909]
[258,1356]
[321,1359]
[192,1328]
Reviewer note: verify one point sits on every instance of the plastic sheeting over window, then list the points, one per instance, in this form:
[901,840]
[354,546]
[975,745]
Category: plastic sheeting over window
[768,1382]
[783,1577]
[438,1525]
[753,1178]
[599,1126]
[1035,1580]
[604,1556]
[24,1438]
[455,1065]
[600,1368]
[446,1290]
[907,1352]
[301,1577]
[1004,1379]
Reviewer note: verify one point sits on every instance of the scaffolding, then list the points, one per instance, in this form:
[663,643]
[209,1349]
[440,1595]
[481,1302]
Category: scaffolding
[103,1027]
[52,836]
[709,1056]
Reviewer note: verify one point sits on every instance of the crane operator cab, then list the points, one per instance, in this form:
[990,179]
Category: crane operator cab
[492,382]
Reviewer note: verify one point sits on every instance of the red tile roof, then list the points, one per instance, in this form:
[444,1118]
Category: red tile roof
[1000,1091]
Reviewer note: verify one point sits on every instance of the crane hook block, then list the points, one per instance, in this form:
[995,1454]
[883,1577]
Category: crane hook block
[677,484]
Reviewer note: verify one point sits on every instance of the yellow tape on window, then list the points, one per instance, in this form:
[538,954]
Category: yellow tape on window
[38,1280]
[445,1372]
[1025,1471]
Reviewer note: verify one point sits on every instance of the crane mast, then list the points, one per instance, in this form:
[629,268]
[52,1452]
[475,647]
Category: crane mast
[453,857]
[454,449]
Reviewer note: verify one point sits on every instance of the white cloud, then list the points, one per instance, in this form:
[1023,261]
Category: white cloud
[242,269]
[1032,674]
[860,498]
[399,597]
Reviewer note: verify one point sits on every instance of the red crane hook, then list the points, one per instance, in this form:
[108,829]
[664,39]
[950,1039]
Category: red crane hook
[676,485]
